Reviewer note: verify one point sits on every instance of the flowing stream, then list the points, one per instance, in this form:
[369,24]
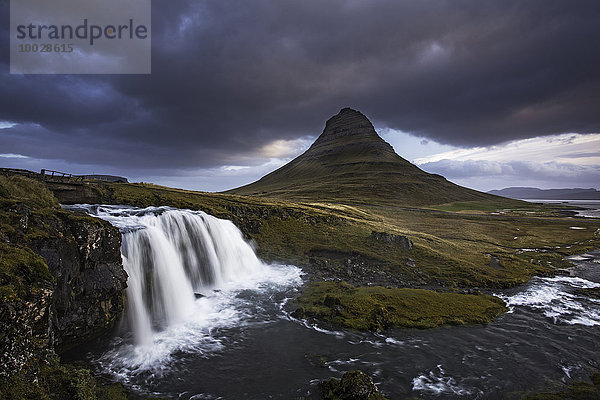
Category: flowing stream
[206,319]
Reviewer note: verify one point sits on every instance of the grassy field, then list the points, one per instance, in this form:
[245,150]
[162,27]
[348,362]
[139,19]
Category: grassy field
[485,244]
[22,273]
[451,248]
[377,308]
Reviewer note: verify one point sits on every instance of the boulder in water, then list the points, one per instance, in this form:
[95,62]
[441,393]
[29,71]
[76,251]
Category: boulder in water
[354,385]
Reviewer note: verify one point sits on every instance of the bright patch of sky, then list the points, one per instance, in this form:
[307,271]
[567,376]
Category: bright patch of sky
[566,148]
[412,147]
[11,155]
[558,161]
[285,148]
[234,167]
[6,124]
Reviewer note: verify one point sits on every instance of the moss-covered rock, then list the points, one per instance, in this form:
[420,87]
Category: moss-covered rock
[79,254]
[22,273]
[61,281]
[54,381]
[378,308]
[354,385]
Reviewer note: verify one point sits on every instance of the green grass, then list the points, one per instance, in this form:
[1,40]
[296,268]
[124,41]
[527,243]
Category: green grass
[55,381]
[503,207]
[379,308]
[450,248]
[29,192]
[490,206]
[22,273]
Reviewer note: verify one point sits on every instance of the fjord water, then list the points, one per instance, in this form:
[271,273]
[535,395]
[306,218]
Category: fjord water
[587,208]
[238,341]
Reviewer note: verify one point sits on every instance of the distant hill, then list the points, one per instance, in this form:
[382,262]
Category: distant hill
[350,163]
[548,194]
[105,178]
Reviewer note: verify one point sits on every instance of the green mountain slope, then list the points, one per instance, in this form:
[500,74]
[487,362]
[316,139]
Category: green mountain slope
[350,163]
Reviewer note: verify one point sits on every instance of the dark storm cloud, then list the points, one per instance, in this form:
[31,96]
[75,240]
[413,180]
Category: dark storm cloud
[230,76]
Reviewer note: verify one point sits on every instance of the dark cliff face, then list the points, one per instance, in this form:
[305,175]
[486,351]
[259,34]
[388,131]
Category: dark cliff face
[85,260]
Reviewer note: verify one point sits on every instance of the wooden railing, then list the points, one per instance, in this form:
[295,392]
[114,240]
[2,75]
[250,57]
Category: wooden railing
[49,174]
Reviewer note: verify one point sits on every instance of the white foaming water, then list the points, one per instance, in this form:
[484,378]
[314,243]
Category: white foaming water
[559,300]
[436,382]
[172,257]
[589,213]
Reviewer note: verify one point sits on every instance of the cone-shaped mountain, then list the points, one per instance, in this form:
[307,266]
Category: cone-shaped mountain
[350,163]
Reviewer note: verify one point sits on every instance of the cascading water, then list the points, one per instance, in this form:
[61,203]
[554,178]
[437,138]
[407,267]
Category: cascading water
[174,255]
[186,270]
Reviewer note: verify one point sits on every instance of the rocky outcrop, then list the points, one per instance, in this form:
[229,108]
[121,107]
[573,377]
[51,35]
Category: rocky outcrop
[76,192]
[390,238]
[61,282]
[25,332]
[81,259]
[85,259]
[353,268]
[350,131]
[250,219]
[85,297]
[354,385]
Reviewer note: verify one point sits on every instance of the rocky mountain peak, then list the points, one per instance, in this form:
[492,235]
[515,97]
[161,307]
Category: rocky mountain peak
[347,133]
[347,122]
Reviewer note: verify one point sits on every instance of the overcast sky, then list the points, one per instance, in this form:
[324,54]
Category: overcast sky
[487,93]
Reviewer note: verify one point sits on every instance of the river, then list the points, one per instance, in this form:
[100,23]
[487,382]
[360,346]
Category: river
[232,336]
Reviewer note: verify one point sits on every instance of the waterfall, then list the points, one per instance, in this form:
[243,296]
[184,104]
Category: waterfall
[170,255]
